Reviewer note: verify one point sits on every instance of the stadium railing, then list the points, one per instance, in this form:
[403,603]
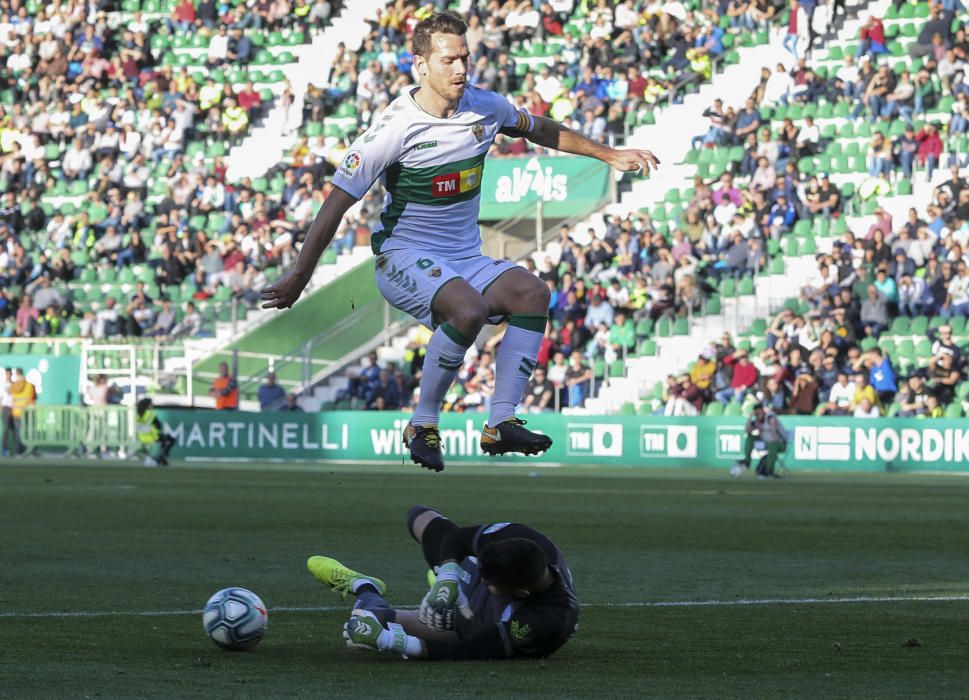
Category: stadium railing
[76,429]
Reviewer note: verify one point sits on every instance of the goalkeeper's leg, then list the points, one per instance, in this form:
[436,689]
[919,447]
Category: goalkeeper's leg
[429,528]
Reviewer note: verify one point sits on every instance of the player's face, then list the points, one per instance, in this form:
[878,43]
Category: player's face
[447,66]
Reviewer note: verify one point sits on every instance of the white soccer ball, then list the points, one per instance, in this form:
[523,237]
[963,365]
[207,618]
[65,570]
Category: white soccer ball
[737,471]
[235,618]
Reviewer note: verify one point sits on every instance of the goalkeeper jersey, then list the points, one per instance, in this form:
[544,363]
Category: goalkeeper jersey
[502,627]
[431,168]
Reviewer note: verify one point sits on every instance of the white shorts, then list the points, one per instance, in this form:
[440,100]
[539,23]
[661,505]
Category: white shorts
[410,280]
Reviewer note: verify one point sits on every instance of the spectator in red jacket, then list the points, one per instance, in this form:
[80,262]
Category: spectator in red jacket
[182,18]
[930,148]
[250,100]
[744,377]
[872,38]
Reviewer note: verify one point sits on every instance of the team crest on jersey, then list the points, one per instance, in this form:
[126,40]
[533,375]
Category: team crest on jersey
[478,132]
[348,168]
[434,272]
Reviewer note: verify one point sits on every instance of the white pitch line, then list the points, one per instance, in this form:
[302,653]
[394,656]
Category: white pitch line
[634,604]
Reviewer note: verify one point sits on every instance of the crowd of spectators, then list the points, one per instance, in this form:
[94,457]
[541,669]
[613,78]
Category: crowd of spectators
[592,65]
[112,168]
[904,283]
[640,267]
[603,281]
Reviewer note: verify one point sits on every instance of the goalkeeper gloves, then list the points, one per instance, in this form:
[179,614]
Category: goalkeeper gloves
[437,608]
[363,632]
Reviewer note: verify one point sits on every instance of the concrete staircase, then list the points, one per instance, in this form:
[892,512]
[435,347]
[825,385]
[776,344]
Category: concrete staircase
[268,143]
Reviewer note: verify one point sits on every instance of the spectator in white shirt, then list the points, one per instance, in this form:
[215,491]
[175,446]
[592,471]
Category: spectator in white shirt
[219,48]
[77,162]
[866,409]
[778,87]
[548,86]
[840,398]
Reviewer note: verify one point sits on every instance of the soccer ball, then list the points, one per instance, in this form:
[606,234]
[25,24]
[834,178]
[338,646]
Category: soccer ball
[235,618]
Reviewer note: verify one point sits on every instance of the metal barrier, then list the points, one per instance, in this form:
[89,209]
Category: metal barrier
[55,427]
[75,429]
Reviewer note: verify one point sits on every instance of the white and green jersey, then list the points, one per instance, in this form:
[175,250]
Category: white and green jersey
[431,168]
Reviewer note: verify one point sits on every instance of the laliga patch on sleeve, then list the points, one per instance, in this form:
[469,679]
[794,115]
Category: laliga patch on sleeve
[348,168]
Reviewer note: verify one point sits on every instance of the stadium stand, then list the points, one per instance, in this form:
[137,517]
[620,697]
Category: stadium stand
[881,161]
[561,66]
[122,219]
[114,157]
[803,171]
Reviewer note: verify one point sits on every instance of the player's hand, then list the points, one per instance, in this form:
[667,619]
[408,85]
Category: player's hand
[633,160]
[437,608]
[284,292]
[362,631]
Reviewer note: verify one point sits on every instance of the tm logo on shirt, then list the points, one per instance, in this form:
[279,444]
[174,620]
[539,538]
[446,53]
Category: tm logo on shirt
[456,183]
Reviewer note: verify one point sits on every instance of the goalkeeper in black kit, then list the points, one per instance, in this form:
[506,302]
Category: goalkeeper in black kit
[501,591]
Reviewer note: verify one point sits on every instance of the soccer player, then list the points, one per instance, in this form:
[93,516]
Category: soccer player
[428,150]
[502,591]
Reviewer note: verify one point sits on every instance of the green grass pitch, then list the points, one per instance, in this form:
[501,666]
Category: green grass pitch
[860,583]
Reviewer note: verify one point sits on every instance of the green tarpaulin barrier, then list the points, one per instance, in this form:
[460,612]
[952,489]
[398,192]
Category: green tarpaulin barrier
[843,444]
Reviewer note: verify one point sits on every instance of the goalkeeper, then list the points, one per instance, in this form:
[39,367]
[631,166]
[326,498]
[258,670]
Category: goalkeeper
[502,591]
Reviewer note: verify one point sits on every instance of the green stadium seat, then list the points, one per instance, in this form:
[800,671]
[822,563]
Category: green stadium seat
[647,348]
[664,329]
[745,287]
[681,326]
[920,324]
[713,409]
[617,369]
[901,325]
[733,409]
[758,327]
[954,410]
[216,149]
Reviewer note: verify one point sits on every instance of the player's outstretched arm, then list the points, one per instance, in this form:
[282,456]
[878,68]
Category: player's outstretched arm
[550,134]
[286,290]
